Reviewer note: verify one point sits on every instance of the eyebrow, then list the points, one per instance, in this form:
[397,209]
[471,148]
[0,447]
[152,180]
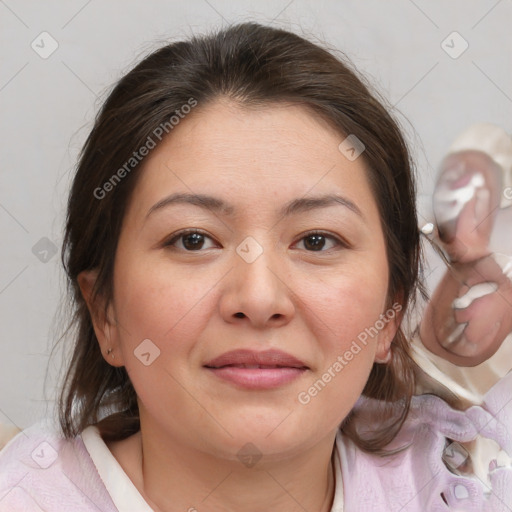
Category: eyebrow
[305,204]
[300,205]
[201,200]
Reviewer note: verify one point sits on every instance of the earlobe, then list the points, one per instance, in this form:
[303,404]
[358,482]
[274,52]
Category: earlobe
[383,357]
[383,353]
[101,317]
[387,335]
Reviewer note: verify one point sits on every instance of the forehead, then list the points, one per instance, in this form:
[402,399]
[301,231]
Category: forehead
[225,130]
[268,154]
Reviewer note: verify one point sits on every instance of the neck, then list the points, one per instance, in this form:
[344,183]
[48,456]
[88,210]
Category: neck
[172,476]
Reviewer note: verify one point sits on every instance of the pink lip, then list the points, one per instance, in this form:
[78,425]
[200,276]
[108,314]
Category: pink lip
[257,370]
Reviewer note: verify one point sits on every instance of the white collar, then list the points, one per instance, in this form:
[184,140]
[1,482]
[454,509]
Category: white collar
[123,492]
[127,498]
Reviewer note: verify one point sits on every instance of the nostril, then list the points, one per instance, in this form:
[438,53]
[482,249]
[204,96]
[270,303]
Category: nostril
[239,315]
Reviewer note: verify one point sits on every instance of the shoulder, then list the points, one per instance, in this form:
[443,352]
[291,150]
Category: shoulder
[41,470]
[440,466]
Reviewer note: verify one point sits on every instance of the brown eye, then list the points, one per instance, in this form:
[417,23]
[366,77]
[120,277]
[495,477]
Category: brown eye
[319,242]
[314,242]
[191,241]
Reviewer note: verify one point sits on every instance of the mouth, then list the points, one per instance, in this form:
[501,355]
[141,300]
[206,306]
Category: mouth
[268,359]
[257,370]
[250,366]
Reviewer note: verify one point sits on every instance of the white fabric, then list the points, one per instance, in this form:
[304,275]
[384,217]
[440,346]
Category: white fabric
[123,492]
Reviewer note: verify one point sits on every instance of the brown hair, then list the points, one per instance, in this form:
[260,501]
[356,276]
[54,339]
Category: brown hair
[252,65]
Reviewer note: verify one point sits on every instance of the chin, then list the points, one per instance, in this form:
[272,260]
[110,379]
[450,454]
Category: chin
[274,434]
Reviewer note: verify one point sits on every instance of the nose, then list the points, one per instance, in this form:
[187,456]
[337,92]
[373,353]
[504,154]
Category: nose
[257,294]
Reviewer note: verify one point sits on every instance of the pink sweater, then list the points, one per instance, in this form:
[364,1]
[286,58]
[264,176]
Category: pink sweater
[41,471]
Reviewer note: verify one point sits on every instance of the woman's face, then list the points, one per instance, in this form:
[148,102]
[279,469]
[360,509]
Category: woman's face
[250,231]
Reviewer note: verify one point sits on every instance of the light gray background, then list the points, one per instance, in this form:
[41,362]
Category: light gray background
[47,107]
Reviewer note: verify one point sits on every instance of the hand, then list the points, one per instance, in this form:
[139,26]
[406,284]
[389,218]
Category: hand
[470,313]
[466,199]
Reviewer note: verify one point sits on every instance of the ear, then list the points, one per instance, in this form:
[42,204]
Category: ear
[390,321]
[102,317]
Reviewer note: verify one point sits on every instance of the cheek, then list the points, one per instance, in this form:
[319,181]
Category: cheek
[346,304]
[168,308]
[171,310]
[342,317]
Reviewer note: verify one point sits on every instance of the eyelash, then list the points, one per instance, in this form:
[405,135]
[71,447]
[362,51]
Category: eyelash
[179,235]
[329,236]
